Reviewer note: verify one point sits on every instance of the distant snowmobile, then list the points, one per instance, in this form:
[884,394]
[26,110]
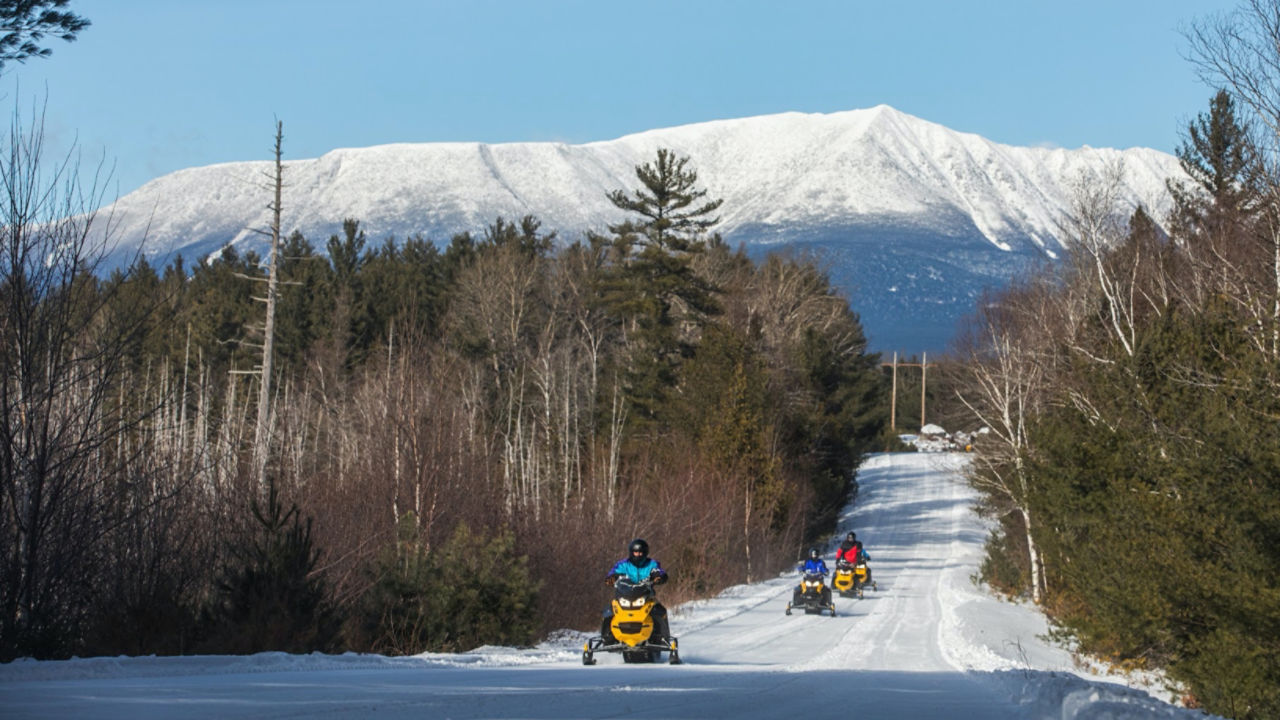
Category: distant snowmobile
[844,581]
[850,579]
[812,595]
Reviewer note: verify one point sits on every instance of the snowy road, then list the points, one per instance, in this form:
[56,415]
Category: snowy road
[927,644]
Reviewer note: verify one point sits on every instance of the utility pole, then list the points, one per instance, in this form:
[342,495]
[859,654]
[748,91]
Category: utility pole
[893,401]
[924,371]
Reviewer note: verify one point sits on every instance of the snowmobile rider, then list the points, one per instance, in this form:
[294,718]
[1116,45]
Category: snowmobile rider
[815,564]
[851,551]
[848,550]
[638,567]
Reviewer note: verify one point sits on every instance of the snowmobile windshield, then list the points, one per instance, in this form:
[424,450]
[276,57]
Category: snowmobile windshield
[624,589]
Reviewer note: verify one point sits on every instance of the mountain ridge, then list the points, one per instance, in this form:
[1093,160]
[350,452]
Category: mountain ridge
[894,198]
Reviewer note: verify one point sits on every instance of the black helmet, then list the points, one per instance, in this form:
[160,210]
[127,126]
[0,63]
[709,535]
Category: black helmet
[813,553]
[851,537]
[638,546]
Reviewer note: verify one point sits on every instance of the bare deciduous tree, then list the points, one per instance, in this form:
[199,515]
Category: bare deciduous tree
[1097,227]
[62,358]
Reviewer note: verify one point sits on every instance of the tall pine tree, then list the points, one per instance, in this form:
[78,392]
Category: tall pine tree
[653,287]
[1218,156]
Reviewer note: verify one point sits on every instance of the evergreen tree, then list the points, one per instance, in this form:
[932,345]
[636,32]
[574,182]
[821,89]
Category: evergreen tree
[24,23]
[1185,463]
[305,304]
[134,301]
[653,286]
[1218,156]
[352,324]
[461,250]
[270,596]
[404,288]
[846,415]
[220,304]
[463,594]
[525,236]
[668,203]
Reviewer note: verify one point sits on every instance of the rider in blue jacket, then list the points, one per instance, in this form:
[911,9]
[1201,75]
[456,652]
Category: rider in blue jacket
[815,564]
[638,567]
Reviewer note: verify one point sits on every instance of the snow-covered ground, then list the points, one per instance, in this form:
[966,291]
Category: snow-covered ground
[927,644]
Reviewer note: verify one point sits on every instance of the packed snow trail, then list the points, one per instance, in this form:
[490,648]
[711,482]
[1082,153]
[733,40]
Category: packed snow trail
[927,644]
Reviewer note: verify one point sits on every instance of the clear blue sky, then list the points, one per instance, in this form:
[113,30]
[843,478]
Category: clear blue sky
[160,85]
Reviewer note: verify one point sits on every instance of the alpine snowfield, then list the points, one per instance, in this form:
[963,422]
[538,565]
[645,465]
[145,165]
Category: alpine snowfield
[927,644]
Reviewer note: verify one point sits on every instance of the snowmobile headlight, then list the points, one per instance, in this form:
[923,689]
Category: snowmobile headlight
[637,603]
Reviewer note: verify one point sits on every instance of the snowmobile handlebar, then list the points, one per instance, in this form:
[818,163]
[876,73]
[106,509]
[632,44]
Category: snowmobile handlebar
[622,579]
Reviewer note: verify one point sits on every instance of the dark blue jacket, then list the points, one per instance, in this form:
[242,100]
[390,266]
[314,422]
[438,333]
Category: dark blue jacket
[815,566]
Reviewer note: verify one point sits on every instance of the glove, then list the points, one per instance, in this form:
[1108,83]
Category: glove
[610,579]
[657,578]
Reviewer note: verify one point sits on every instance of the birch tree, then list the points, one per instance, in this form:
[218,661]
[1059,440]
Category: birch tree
[1097,226]
[1003,381]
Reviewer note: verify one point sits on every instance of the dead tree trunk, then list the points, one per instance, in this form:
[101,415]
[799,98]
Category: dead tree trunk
[262,433]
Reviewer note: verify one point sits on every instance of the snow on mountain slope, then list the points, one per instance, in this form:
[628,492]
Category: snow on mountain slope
[861,179]
[928,645]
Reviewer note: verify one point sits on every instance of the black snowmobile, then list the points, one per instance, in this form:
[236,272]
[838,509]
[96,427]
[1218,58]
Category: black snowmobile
[812,595]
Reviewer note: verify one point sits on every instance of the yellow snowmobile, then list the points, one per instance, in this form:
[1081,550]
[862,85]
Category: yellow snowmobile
[812,595]
[845,581]
[850,579]
[630,631]
[861,575]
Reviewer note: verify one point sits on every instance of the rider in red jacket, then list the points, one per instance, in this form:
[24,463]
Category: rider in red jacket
[849,550]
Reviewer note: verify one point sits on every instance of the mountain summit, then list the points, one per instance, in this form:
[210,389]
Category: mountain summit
[912,218]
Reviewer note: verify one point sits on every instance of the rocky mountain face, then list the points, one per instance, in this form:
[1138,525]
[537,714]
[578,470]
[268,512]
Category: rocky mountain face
[911,219]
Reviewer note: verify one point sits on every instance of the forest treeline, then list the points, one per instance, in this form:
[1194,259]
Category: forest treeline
[1133,397]
[461,438]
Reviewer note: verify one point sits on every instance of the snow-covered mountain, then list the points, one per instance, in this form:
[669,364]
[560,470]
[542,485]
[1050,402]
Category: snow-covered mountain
[913,218]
